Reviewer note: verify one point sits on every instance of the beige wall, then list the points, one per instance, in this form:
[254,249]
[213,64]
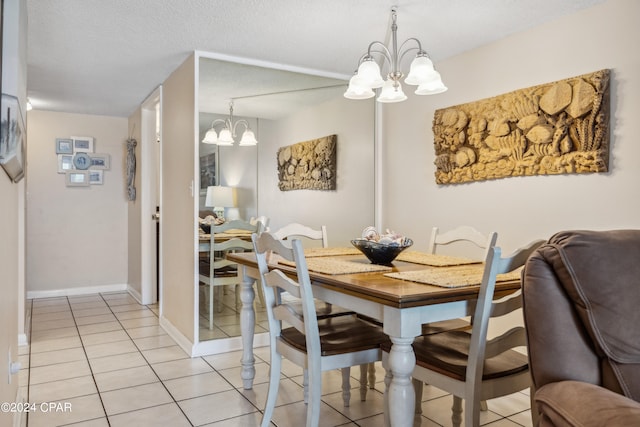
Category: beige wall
[345,211]
[134,212]
[178,205]
[12,224]
[522,209]
[76,236]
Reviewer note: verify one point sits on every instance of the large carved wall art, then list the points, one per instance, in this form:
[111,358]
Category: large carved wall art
[309,165]
[555,128]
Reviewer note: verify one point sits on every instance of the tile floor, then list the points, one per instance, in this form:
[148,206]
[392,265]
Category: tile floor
[107,358]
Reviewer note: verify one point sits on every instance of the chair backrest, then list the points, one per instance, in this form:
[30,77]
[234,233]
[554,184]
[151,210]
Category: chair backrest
[263,219]
[463,233]
[275,282]
[486,308]
[297,230]
[232,244]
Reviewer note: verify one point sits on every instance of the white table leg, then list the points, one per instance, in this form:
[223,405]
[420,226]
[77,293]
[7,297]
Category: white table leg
[247,327]
[402,360]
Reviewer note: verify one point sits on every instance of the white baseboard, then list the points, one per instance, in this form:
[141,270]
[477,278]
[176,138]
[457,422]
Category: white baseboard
[210,347]
[217,346]
[23,340]
[135,294]
[178,337]
[77,291]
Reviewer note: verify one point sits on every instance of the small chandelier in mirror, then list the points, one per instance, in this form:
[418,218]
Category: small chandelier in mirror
[228,132]
[368,77]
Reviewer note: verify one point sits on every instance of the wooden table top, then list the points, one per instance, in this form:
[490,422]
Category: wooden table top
[377,287]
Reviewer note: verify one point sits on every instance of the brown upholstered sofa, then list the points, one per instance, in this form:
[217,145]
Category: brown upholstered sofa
[581,304]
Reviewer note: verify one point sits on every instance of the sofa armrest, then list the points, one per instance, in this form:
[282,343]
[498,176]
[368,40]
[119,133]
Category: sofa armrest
[574,403]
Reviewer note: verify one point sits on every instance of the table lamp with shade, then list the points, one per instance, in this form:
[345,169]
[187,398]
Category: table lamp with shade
[219,197]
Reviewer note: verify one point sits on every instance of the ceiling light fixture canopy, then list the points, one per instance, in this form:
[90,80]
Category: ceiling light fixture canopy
[368,76]
[228,132]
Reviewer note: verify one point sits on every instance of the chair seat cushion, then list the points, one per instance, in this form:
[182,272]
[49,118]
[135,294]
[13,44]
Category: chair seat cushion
[445,325]
[228,271]
[448,352]
[341,334]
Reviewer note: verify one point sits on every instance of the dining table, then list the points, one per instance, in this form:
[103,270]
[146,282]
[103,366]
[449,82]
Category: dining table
[416,288]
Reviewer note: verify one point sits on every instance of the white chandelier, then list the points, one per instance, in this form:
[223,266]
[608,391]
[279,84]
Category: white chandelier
[368,77]
[228,132]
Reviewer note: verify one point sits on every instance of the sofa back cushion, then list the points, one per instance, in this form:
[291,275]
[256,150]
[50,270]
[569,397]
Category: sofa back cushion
[599,272]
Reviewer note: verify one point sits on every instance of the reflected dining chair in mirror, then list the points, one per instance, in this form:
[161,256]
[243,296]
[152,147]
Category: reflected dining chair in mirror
[466,363]
[315,344]
[324,309]
[216,270]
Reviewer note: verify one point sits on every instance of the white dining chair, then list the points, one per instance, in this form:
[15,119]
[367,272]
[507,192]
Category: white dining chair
[324,309]
[467,364]
[315,344]
[219,271]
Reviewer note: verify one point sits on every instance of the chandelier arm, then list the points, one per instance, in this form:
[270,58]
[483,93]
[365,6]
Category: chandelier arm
[217,122]
[420,50]
[384,52]
[240,122]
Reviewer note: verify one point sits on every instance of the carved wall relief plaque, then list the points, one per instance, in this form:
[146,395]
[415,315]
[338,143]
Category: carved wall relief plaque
[555,128]
[309,165]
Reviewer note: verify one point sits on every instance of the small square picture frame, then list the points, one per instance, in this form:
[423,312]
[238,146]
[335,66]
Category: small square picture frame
[82,144]
[96,177]
[100,161]
[76,178]
[64,146]
[65,163]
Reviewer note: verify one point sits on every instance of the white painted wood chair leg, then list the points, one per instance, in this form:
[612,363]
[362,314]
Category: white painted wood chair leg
[456,412]
[387,384]
[372,375]
[305,386]
[346,386]
[315,395]
[363,382]
[274,383]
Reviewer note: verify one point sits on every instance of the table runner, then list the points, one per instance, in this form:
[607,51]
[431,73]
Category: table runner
[434,259]
[452,277]
[326,265]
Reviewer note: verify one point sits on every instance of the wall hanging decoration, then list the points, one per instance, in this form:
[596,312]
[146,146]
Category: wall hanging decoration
[308,165]
[555,128]
[131,168]
[12,137]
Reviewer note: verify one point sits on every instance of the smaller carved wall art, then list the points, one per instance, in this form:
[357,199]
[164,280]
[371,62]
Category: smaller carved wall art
[308,165]
[555,128]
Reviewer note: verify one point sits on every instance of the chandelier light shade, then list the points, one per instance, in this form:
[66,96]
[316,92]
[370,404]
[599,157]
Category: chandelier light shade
[369,77]
[227,134]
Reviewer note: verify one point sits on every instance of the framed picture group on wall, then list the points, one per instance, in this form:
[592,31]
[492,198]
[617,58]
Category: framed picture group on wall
[79,163]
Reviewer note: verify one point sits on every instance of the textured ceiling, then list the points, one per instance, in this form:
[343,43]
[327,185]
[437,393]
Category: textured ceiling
[105,56]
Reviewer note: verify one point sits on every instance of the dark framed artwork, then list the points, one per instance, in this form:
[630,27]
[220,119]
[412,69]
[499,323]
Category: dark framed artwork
[12,137]
[208,171]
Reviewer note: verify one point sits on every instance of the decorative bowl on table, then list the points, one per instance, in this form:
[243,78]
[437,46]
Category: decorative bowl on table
[381,249]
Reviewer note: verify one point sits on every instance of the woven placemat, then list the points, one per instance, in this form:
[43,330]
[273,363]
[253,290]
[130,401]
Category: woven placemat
[434,260]
[316,252]
[452,277]
[338,266]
